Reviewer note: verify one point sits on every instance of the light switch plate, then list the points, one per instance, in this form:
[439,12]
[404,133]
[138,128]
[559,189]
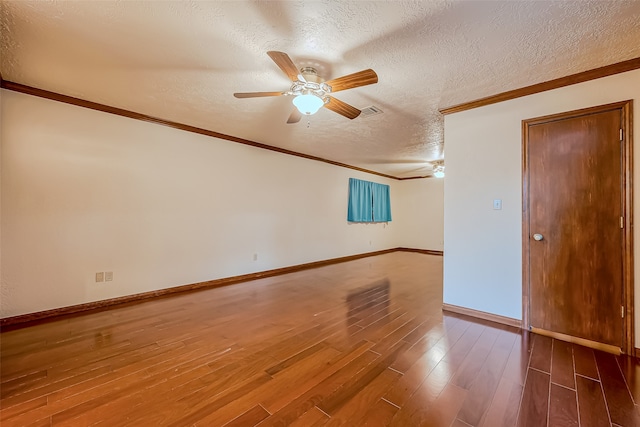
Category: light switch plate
[497,204]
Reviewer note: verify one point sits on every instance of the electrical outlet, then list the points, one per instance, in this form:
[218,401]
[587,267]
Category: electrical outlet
[108,276]
[100,277]
[255,257]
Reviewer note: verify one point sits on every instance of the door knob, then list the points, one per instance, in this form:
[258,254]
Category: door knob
[538,237]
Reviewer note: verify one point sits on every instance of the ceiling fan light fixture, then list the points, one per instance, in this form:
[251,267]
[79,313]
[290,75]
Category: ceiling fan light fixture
[308,103]
[438,171]
[311,92]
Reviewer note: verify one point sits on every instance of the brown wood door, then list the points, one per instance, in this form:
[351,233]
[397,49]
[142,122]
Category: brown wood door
[576,203]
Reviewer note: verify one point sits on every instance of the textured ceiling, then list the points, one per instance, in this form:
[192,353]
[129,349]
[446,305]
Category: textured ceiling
[183,61]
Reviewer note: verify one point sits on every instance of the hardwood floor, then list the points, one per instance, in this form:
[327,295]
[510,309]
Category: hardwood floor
[362,343]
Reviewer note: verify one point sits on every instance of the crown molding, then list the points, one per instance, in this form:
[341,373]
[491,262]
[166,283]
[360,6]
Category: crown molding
[596,73]
[608,70]
[41,93]
[415,177]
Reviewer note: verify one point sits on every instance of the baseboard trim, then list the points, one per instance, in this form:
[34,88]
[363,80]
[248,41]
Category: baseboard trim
[576,340]
[509,321]
[30,318]
[423,251]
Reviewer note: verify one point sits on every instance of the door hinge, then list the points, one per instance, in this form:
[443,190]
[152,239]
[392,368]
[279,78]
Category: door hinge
[622,311]
[621,222]
[621,134]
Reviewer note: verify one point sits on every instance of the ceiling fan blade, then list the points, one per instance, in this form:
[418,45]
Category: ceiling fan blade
[294,117]
[361,78]
[342,108]
[256,94]
[285,63]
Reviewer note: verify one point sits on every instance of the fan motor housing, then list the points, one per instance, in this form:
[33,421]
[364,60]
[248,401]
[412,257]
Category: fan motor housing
[310,74]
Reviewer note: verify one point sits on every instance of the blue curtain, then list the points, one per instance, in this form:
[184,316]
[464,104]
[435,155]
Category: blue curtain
[368,202]
[359,209]
[381,202]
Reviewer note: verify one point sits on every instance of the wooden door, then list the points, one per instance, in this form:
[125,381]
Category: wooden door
[575,202]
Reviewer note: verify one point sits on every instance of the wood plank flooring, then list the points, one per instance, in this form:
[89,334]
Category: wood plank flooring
[362,343]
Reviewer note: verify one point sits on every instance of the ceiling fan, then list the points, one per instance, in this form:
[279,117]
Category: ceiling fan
[311,92]
[438,168]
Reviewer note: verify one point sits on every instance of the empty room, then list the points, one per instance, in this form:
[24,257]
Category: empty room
[319,213]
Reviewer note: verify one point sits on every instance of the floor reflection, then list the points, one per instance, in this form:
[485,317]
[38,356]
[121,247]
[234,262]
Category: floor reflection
[364,301]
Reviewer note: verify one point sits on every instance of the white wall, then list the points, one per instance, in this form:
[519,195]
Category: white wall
[483,247]
[421,209]
[85,191]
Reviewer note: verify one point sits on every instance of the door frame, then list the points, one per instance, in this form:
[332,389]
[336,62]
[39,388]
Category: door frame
[626,108]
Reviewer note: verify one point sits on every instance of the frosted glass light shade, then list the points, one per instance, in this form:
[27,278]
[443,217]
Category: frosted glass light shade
[308,104]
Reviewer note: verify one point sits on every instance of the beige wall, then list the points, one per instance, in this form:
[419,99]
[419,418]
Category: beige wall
[85,191]
[483,247]
[421,206]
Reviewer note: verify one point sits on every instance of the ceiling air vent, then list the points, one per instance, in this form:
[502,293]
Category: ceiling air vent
[370,111]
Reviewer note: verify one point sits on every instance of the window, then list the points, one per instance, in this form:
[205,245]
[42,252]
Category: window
[368,202]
